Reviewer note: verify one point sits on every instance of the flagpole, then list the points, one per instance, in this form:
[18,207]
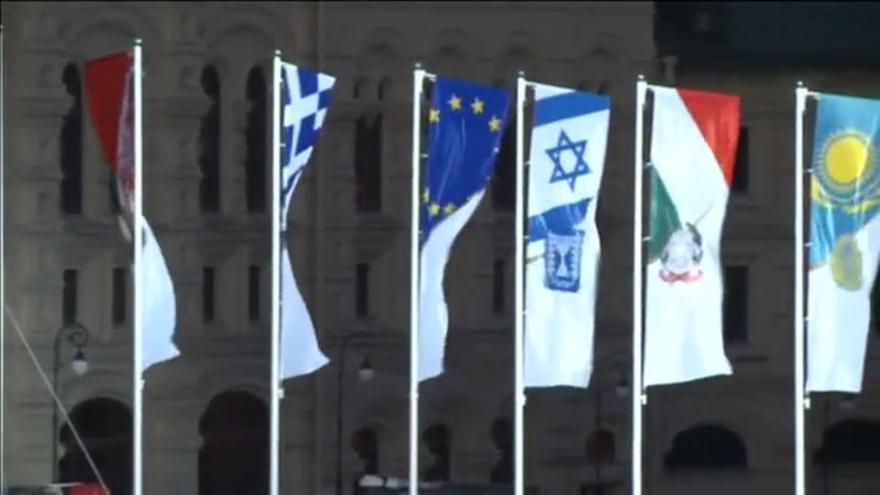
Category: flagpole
[137,223]
[2,258]
[274,378]
[519,398]
[418,81]
[638,394]
[801,402]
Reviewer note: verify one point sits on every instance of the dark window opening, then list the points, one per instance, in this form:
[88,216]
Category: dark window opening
[736,303]
[208,293]
[498,286]
[71,145]
[120,296]
[254,292]
[368,163]
[69,297]
[255,137]
[362,286]
[741,165]
[504,181]
[209,144]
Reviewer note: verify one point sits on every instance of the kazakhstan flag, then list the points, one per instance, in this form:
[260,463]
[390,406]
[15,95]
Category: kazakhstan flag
[844,240]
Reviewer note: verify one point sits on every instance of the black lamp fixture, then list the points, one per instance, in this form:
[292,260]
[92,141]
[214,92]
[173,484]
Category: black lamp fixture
[77,337]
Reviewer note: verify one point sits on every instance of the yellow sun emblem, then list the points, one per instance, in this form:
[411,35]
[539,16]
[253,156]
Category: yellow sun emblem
[846,174]
[846,158]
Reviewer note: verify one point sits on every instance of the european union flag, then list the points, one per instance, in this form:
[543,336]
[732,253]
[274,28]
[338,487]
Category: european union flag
[466,123]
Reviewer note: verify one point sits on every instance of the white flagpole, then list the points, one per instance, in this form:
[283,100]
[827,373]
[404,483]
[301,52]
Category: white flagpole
[274,378]
[519,398]
[138,268]
[638,397]
[2,263]
[418,80]
[801,402]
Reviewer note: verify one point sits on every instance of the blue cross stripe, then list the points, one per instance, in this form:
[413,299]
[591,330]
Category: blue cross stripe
[307,134]
[300,105]
[308,82]
[286,131]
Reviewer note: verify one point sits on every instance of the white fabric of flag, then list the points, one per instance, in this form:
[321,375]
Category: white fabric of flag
[569,138]
[693,144]
[160,313]
[305,97]
[844,241]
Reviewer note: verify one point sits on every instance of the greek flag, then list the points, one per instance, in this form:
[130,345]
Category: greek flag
[569,136]
[305,96]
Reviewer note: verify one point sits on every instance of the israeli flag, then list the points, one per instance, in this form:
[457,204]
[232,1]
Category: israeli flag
[305,96]
[569,137]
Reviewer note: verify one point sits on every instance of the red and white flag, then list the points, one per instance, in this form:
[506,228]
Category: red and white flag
[109,97]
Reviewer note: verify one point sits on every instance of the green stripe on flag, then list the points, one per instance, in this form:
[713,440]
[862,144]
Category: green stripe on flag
[664,217]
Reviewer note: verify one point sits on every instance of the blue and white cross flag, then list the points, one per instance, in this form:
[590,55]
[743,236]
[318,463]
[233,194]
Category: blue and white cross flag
[569,137]
[305,96]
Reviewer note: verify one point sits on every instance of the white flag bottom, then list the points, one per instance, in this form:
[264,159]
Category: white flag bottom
[433,313]
[160,314]
[300,354]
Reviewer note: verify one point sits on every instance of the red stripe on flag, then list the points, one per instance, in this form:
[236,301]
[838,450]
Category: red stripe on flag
[105,90]
[717,116]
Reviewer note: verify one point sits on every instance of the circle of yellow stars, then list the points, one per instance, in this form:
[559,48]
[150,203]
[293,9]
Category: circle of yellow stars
[478,107]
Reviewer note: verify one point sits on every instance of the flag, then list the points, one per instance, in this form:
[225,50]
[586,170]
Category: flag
[109,97]
[305,97]
[569,136]
[466,122]
[844,240]
[693,145]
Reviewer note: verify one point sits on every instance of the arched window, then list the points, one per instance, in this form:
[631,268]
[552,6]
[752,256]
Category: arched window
[368,163]
[209,143]
[439,443]
[234,457]
[255,137]
[849,442]
[105,428]
[706,446]
[502,437]
[70,198]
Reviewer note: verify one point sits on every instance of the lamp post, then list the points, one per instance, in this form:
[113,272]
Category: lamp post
[365,374]
[78,337]
[621,390]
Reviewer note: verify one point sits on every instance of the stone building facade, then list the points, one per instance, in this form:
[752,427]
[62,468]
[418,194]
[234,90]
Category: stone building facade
[207,104]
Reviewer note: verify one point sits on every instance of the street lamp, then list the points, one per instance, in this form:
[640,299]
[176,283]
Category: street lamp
[78,337]
[618,380]
[365,373]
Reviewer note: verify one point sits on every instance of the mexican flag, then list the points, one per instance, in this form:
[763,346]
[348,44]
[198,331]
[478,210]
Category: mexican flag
[693,145]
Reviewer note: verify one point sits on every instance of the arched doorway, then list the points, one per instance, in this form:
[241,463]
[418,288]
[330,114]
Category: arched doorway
[105,426]
[706,446]
[234,458]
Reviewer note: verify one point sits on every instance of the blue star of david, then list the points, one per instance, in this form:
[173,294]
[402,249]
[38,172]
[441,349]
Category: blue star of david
[580,166]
